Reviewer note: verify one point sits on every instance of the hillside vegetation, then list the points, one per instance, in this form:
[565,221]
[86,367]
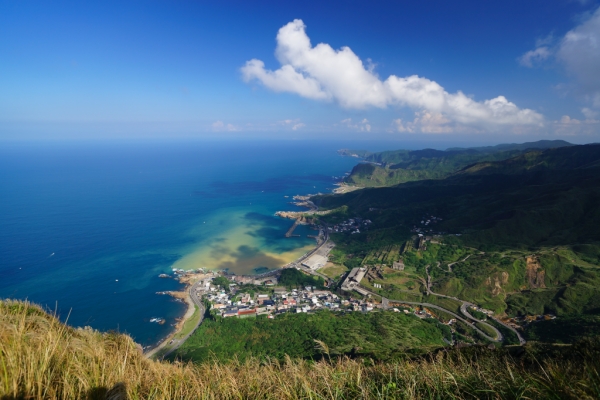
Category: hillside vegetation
[540,198]
[381,336]
[389,168]
[519,236]
[40,358]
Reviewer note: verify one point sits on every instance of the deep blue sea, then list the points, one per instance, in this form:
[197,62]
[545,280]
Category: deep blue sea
[86,228]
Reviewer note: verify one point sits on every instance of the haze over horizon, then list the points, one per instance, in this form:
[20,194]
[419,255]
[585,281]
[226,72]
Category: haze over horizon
[436,73]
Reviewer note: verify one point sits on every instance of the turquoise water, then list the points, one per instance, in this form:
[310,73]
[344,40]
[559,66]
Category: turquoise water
[86,228]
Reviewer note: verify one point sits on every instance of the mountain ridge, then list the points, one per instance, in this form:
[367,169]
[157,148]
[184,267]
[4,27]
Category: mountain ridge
[399,166]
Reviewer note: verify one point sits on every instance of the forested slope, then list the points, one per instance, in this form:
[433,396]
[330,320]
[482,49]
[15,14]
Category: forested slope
[398,166]
[530,226]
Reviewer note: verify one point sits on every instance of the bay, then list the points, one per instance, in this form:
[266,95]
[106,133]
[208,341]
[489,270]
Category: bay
[86,228]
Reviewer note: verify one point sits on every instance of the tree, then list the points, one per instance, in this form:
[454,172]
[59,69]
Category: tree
[222,282]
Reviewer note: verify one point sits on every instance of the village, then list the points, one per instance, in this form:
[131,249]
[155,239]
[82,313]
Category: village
[427,221]
[237,299]
[352,225]
[239,296]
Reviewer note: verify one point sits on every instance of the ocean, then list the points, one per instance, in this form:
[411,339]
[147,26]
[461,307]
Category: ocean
[87,227]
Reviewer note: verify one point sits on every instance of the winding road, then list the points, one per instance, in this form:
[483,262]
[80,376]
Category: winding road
[385,304]
[463,310]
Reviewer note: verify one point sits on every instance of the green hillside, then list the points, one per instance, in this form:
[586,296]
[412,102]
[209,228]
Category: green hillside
[381,335]
[540,198]
[530,226]
[393,167]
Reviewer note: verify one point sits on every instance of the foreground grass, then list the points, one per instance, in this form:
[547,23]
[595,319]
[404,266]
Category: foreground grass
[40,358]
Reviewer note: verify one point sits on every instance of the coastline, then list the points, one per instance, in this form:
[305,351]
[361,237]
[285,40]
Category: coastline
[190,279]
[167,345]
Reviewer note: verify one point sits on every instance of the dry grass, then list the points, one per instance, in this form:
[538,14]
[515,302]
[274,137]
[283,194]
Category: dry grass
[40,358]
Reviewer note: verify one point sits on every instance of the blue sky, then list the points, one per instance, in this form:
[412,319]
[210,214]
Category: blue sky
[439,70]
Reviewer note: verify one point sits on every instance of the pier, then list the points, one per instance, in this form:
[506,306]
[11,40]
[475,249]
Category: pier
[290,231]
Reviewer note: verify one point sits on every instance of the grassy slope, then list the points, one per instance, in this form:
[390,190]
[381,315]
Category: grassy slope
[40,358]
[380,335]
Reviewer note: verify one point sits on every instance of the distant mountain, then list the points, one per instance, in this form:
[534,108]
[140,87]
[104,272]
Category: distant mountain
[540,144]
[354,153]
[389,168]
[541,187]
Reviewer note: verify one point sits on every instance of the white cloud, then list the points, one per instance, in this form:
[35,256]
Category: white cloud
[285,79]
[535,56]
[298,126]
[402,126]
[566,120]
[295,124]
[221,126]
[322,73]
[545,41]
[431,122]
[568,126]
[589,114]
[579,52]
[363,126]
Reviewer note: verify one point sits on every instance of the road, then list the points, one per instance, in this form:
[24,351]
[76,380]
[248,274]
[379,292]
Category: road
[465,312]
[385,304]
[173,344]
[456,262]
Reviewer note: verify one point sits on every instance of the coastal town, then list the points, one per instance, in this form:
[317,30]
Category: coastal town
[242,297]
[237,296]
[220,294]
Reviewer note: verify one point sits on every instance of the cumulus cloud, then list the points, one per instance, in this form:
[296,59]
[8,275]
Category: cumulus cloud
[295,124]
[589,114]
[298,126]
[566,120]
[285,79]
[567,126]
[323,73]
[535,56]
[363,126]
[431,122]
[221,126]
[402,126]
[579,51]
